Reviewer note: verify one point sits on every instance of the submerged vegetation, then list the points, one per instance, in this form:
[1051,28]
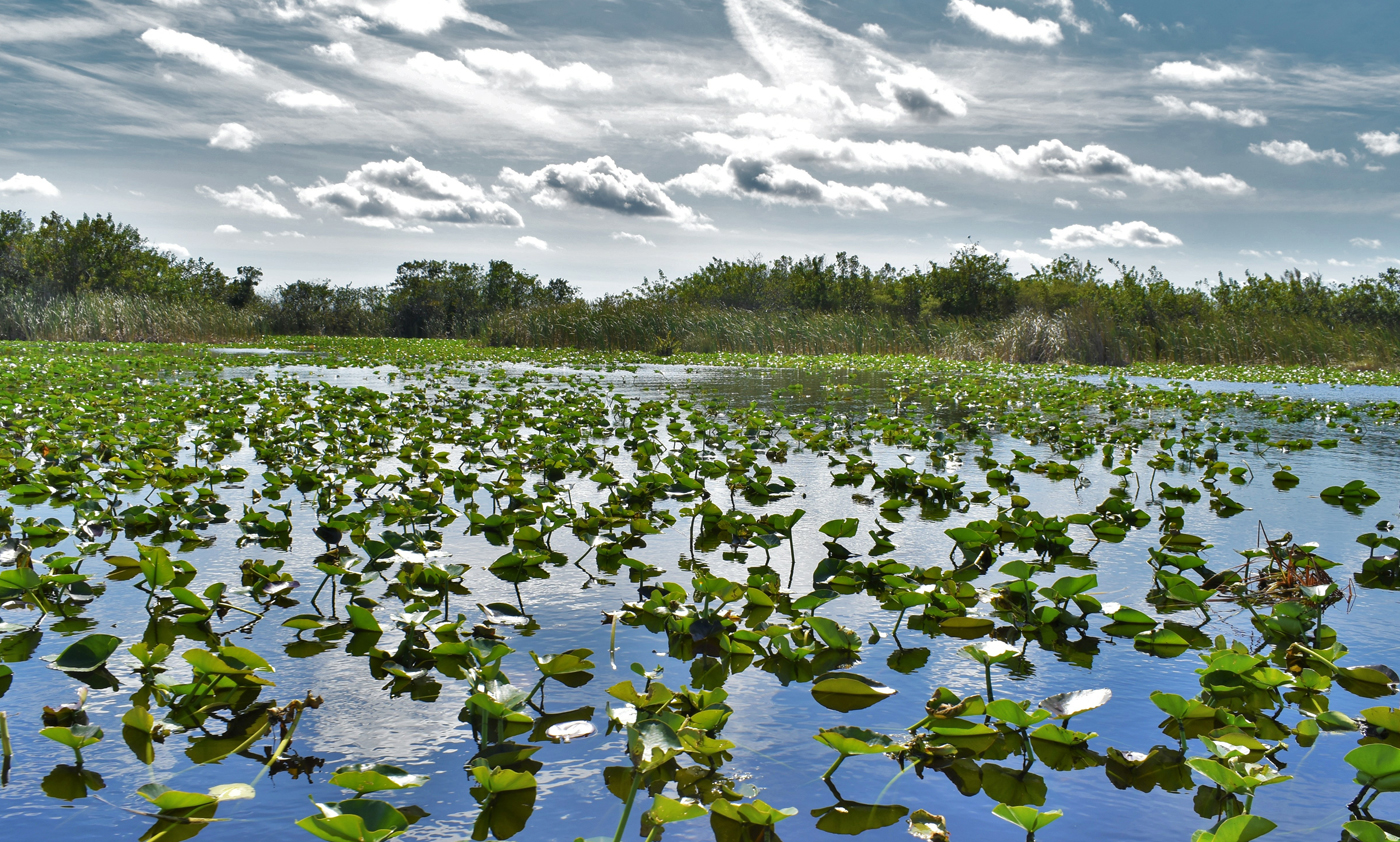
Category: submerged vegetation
[96,278]
[184,536]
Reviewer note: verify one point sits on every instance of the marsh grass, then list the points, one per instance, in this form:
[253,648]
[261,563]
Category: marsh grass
[123,318]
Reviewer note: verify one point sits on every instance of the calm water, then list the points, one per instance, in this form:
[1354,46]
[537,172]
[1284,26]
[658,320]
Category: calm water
[772,724]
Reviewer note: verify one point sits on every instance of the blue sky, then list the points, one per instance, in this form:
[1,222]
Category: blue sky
[602,141]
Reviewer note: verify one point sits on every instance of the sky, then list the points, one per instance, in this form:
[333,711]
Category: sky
[605,140]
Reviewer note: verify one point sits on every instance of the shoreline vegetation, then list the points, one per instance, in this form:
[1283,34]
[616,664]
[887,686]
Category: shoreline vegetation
[98,279]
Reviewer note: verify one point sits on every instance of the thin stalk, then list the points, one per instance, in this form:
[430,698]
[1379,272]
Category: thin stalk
[5,746]
[612,641]
[281,747]
[627,808]
[988,667]
[826,776]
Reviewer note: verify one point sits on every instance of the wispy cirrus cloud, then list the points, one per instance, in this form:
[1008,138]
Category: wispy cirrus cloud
[600,183]
[256,200]
[1365,243]
[1295,152]
[420,17]
[201,51]
[1000,22]
[1136,234]
[1240,117]
[407,195]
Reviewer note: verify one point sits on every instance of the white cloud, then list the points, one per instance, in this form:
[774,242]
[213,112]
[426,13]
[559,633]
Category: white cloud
[234,136]
[1107,193]
[1332,261]
[918,91]
[779,183]
[1028,258]
[1365,243]
[312,100]
[524,70]
[600,183]
[1379,143]
[1242,117]
[1067,15]
[451,70]
[338,52]
[407,195]
[1130,20]
[175,4]
[1296,152]
[632,238]
[1046,160]
[256,199]
[1004,23]
[1137,234]
[21,183]
[420,17]
[1066,203]
[1202,76]
[1250,253]
[874,31]
[227,229]
[295,235]
[531,243]
[168,42]
[172,248]
[816,99]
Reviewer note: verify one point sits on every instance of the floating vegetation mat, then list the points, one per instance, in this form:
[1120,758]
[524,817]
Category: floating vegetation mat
[383,589]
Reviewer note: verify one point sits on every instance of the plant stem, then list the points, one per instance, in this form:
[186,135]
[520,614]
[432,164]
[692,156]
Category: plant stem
[281,747]
[627,808]
[826,776]
[5,747]
[1356,802]
[988,666]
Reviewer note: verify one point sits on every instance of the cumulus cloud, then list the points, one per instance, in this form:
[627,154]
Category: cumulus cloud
[420,17]
[338,52]
[1003,23]
[918,91]
[1130,20]
[779,183]
[256,199]
[168,42]
[450,70]
[1202,76]
[1296,152]
[874,31]
[227,229]
[599,183]
[234,136]
[312,100]
[632,238]
[172,248]
[1379,143]
[1109,193]
[1021,256]
[1046,160]
[407,195]
[1242,117]
[1137,234]
[1066,203]
[1365,243]
[817,99]
[524,70]
[531,243]
[21,183]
